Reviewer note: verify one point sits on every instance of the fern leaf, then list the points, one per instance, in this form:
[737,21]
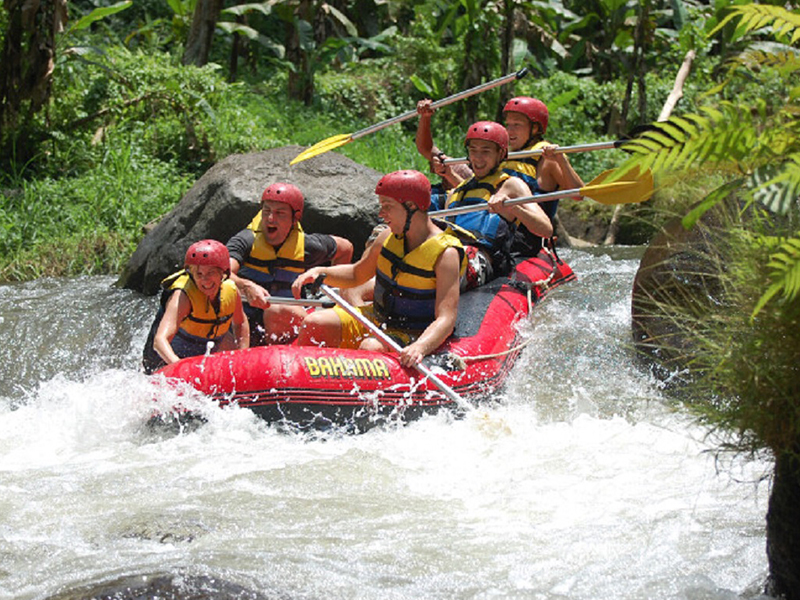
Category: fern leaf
[756,16]
[777,186]
[765,298]
[784,274]
[785,265]
[764,56]
[711,200]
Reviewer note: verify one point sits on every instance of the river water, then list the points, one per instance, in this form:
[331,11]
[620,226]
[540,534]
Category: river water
[582,481]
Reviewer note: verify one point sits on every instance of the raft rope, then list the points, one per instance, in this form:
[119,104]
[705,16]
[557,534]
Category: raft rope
[528,287]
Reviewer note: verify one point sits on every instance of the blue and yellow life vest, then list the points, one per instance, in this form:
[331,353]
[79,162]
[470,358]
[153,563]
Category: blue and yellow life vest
[405,284]
[207,320]
[489,228]
[275,270]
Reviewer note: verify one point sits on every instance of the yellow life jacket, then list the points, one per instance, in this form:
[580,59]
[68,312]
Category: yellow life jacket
[405,284]
[207,320]
[525,168]
[272,269]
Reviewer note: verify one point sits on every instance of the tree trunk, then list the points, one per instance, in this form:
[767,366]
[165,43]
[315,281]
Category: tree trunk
[237,45]
[783,529]
[506,58]
[28,59]
[637,65]
[476,69]
[201,33]
[638,73]
[301,79]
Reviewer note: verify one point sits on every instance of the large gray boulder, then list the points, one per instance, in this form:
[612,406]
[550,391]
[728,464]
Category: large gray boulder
[340,199]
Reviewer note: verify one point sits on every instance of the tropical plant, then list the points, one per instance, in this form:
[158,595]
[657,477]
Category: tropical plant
[35,42]
[759,146]
[746,331]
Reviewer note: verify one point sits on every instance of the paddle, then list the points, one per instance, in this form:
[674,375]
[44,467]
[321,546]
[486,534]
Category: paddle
[345,138]
[383,337]
[560,150]
[301,301]
[630,188]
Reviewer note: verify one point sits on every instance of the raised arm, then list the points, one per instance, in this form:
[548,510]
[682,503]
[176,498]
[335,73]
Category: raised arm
[556,172]
[424,138]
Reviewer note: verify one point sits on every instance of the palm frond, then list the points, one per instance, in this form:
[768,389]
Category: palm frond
[785,24]
[784,59]
[784,274]
[777,185]
[683,142]
[710,201]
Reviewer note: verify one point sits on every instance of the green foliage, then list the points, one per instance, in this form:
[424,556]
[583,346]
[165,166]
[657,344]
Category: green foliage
[746,345]
[107,207]
[746,374]
[99,13]
[118,84]
[168,108]
[784,274]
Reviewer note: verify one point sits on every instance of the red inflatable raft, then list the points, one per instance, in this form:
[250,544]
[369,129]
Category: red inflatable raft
[323,387]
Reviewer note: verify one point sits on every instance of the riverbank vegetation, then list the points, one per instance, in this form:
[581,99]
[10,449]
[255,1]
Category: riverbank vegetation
[110,111]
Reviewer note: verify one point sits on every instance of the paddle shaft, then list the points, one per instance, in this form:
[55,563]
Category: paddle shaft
[539,152]
[462,210]
[301,301]
[443,102]
[383,337]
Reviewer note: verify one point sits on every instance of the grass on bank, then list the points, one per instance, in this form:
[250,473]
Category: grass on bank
[737,372]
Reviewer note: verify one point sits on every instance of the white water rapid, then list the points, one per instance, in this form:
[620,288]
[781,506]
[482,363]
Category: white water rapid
[581,482]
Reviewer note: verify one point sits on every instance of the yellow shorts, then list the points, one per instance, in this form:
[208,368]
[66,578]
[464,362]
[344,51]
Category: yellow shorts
[354,332]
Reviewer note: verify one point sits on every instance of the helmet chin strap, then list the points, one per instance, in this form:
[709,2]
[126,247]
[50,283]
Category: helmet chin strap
[534,137]
[409,215]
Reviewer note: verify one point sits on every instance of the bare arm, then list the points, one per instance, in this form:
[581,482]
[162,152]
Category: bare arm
[530,215]
[177,309]
[447,172]
[345,275]
[241,327]
[447,295]
[424,138]
[255,295]
[344,251]
[556,172]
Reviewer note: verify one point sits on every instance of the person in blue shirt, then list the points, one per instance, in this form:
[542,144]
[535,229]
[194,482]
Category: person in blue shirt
[494,228]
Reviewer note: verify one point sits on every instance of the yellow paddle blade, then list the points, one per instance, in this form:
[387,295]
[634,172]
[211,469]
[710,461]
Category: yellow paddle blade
[323,146]
[630,188]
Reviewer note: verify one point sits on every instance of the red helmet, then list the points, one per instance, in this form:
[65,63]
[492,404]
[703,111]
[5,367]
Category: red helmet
[490,131]
[208,252]
[286,193]
[534,109]
[406,186]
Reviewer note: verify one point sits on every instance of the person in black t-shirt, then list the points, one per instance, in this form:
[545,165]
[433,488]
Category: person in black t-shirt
[270,253]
